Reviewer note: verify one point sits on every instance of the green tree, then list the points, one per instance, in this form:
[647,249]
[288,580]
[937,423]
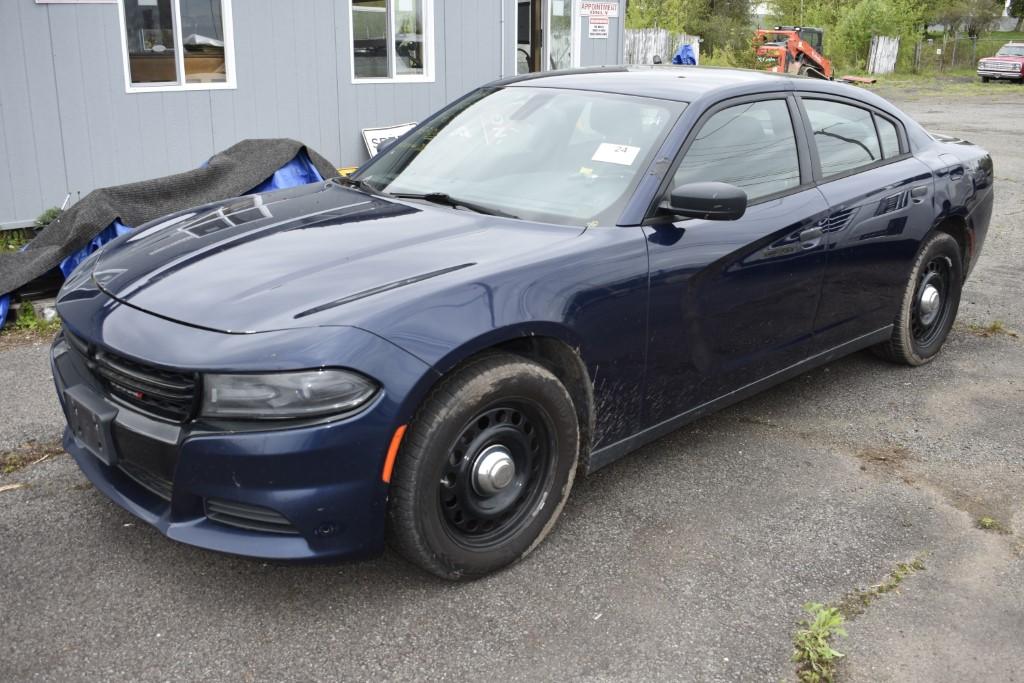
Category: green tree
[720,23]
[851,38]
[1016,10]
[972,17]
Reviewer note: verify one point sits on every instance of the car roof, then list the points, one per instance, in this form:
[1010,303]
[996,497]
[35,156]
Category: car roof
[683,83]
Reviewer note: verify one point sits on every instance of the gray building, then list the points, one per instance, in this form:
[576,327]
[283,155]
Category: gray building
[102,92]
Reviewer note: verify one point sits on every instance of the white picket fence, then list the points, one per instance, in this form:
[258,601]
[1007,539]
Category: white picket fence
[882,57]
[643,44]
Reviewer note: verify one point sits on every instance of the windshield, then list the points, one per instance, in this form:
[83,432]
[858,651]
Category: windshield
[1012,51]
[543,154]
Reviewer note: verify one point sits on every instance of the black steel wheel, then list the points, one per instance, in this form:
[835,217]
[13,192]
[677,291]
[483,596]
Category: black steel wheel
[496,470]
[930,303]
[485,468]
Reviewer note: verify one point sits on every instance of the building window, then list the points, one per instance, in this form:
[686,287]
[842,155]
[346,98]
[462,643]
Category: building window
[177,44]
[392,40]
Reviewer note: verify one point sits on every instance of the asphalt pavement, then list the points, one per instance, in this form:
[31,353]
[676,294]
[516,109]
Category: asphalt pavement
[689,560]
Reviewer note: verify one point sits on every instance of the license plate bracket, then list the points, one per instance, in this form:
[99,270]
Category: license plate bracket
[89,418]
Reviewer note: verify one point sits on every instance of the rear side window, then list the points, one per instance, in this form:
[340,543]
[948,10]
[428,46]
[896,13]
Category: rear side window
[888,137]
[844,135]
[749,145]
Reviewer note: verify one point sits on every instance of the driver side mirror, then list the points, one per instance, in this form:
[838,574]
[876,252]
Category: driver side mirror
[710,201]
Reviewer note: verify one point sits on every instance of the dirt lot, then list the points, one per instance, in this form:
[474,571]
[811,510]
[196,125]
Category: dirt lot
[688,561]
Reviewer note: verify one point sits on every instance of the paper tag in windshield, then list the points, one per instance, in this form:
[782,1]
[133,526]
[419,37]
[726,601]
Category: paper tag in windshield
[624,155]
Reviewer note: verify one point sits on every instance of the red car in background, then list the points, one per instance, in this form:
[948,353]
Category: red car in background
[1007,63]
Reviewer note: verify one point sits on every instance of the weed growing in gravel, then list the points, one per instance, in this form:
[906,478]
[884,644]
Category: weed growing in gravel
[856,602]
[813,652]
[996,327]
[28,454]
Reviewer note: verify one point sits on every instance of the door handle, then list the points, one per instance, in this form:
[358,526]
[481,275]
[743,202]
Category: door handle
[811,234]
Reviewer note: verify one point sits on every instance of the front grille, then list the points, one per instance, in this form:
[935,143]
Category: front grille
[150,481]
[1001,66]
[249,517]
[165,393]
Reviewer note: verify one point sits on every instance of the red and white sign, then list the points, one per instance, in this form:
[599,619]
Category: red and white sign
[598,27]
[593,8]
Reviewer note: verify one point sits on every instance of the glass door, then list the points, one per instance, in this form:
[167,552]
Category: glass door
[558,46]
[544,35]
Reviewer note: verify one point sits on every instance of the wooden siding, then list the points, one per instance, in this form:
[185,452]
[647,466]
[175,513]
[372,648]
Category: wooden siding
[67,124]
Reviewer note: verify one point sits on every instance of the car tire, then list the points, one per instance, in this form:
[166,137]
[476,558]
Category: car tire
[984,79]
[457,508]
[930,303]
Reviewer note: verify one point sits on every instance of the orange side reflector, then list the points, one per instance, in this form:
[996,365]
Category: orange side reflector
[389,462]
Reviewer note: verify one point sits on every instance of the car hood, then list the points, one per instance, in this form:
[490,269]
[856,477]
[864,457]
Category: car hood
[1002,58]
[294,258]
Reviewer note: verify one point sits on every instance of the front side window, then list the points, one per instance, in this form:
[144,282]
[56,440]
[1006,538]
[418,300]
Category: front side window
[845,136]
[751,146]
[557,156]
[177,44]
[392,39]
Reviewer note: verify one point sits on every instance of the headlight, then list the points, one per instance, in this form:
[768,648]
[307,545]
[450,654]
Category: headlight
[285,394]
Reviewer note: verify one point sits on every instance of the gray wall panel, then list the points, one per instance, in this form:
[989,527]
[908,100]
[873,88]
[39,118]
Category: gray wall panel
[67,124]
[44,104]
[19,129]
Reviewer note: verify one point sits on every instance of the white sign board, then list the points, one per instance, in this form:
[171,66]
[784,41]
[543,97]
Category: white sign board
[594,8]
[375,138]
[598,27]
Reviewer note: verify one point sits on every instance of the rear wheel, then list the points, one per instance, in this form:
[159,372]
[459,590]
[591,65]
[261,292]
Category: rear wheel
[485,468]
[930,303]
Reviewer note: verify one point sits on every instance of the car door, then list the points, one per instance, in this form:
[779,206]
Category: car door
[732,302]
[880,200]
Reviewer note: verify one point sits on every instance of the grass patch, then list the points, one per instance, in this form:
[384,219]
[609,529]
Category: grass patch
[27,327]
[28,454]
[29,320]
[961,82]
[812,644]
[990,524]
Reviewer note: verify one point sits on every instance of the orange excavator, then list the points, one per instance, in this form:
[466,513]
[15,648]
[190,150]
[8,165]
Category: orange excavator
[792,50]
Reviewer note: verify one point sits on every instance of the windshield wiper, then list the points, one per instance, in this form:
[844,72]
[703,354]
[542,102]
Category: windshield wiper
[358,184]
[447,200]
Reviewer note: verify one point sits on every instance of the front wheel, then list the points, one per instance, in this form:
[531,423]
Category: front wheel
[984,79]
[930,303]
[485,468]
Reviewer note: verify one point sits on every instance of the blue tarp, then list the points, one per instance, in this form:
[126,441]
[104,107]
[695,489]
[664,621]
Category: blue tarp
[684,55]
[298,171]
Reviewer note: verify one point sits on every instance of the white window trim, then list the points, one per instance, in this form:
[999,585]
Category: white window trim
[179,60]
[428,74]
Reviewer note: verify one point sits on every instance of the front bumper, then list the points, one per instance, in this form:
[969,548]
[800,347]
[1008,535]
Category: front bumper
[1009,75]
[294,492]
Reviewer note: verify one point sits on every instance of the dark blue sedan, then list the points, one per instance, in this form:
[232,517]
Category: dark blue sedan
[542,277]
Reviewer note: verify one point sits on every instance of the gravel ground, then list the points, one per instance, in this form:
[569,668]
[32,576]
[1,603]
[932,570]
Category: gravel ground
[687,561]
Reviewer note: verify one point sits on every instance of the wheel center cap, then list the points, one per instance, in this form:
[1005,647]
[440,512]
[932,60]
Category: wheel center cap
[493,470]
[928,304]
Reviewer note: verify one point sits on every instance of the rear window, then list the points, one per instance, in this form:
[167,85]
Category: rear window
[888,137]
[844,135]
